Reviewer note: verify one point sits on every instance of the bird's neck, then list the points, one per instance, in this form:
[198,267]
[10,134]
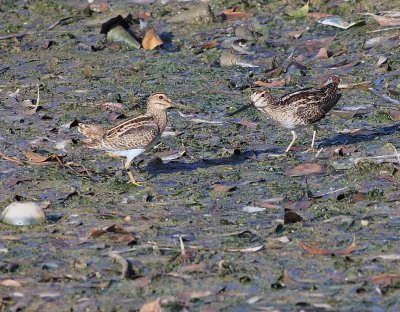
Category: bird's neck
[160,117]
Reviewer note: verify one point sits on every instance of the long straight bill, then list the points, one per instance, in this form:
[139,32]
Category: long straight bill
[240,110]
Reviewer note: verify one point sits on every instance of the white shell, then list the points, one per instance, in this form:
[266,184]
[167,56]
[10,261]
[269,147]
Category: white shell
[23,213]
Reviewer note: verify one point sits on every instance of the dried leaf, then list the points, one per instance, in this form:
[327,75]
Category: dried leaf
[385,20]
[223,188]
[362,85]
[303,11]
[126,271]
[319,43]
[337,21]
[152,306]
[151,40]
[231,14]
[385,279]
[318,15]
[10,283]
[274,83]
[246,123]
[209,45]
[327,252]
[167,156]
[247,250]
[296,33]
[322,54]
[394,115]
[288,281]
[35,157]
[291,217]
[115,228]
[304,169]
[110,106]
[99,7]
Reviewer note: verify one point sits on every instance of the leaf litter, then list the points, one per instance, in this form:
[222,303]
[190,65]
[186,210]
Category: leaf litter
[204,191]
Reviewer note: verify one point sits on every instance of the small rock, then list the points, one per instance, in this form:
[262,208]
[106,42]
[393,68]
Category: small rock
[252,209]
[23,213]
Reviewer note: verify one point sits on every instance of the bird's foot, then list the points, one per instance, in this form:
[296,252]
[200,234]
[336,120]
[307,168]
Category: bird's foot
[133,181]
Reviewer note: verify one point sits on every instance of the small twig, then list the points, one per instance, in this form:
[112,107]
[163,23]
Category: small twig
[383,29]
[37,104]
[12,159]
[58,22]
[20,34]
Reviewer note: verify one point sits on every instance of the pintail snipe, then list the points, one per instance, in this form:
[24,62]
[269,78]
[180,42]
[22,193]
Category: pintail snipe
[134,136]
[298,109]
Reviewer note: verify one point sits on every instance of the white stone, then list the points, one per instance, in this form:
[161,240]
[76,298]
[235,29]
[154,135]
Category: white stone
[23,213]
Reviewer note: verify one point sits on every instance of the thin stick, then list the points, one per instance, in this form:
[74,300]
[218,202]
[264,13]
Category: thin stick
[384,96]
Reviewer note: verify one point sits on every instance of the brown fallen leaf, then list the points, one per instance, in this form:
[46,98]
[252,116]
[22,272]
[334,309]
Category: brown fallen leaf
[296,34]
[111,106]
[10,283]
[267,205]
[318,15]
[115,228]
[304,169]
[288,280]
[274,83]
[209,45]
[291,217]
[232,14]
[248,124]
[386,279]
[99,7]
[151,40]
[327,252]
[394,115]
[322,54]
[385,20]
[126,271]
[223,188]
[152,306]
[37,158]
[311,45]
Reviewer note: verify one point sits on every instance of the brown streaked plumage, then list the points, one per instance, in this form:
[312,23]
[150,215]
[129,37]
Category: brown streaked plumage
[133,136]
[299,109]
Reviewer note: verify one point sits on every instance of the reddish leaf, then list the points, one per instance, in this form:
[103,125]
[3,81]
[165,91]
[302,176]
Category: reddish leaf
[318,15]
[385,20]
[152,306]
[35,157]
[385,279]
[288,281]
[394,115]
[10,283]
[319,43]
[209,45]
[291,217]
[322,54]
[304,169]
[264,204]
[115,228]
[326,252]
[99,7]
[151,40]
[223,188]
[231,14]
[274,83]
[110,106]
[295,33]
[246,123]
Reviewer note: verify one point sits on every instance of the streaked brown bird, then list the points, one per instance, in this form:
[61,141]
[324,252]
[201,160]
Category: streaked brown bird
[298,109]
[134,136]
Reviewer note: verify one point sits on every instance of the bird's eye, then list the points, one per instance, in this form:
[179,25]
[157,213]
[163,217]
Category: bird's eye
[160,97]
[262,94]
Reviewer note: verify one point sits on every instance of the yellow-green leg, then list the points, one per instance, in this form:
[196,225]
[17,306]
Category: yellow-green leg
[311,149]
[131,177]
[293,141]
